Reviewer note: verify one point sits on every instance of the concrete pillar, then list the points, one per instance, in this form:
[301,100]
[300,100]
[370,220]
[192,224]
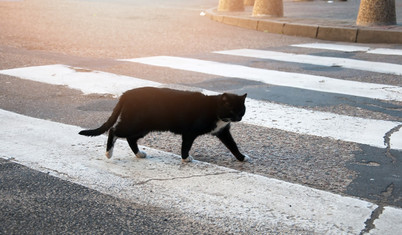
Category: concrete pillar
[248,2]
[268,7]
[231,5]
[376,12]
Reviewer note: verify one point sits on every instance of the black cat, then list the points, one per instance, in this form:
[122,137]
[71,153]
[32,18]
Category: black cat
[191,114]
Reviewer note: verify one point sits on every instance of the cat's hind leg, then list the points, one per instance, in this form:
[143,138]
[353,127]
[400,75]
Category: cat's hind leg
[110,143]
[188,141]
[132,141]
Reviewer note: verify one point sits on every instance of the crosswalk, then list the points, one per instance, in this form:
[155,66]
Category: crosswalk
[261,113]
[300,120]
[254,203]
[333,214]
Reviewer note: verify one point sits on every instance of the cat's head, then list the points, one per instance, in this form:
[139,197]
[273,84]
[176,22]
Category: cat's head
[231,107]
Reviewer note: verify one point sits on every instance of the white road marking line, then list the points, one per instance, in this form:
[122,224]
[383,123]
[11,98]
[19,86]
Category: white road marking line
[216,192]
[350,48]
[383,225]
[396,140]
[279,78]
[323,124]
[333,47]
[88,81]
[378,67]
[385,51]
[359,130]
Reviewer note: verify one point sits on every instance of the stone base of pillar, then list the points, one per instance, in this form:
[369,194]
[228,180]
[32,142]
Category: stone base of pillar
[248,2]
[268,7]
[231,5]
[376,12]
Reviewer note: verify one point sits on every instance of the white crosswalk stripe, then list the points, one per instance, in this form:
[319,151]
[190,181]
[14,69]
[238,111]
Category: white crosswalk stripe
[378,67]
[353,129]
[349,48]
[279,78]
[333,47]
[87,81]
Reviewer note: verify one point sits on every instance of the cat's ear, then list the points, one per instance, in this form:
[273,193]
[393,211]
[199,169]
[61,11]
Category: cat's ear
[244,97]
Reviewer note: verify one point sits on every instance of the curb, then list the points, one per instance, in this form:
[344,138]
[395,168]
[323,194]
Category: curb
[318,31]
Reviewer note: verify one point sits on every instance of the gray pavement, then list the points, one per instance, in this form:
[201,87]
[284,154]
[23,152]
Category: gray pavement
[326,20]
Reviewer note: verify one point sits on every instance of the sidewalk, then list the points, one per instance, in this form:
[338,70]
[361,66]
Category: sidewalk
[326,20]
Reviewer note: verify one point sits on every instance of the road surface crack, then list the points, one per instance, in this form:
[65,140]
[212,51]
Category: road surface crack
[387,142]
[386,194]
[186,177]
[370,221]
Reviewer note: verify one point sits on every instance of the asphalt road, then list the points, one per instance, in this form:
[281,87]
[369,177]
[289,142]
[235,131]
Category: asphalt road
[37,203]
[93,34]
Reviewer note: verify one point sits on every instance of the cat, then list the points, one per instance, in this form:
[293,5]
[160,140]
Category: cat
[190,114]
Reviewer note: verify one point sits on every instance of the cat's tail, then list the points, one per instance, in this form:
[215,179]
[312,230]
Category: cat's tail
[107,125]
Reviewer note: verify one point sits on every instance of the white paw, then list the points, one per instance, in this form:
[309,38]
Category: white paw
[188,159]
[246,158]
[109,153]
[141,154]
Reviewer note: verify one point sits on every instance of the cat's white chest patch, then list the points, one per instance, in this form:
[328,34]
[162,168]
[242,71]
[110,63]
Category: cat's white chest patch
[219,125]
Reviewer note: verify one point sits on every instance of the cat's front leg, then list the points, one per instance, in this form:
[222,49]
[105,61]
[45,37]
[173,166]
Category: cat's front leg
[227,139]
[187,142]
